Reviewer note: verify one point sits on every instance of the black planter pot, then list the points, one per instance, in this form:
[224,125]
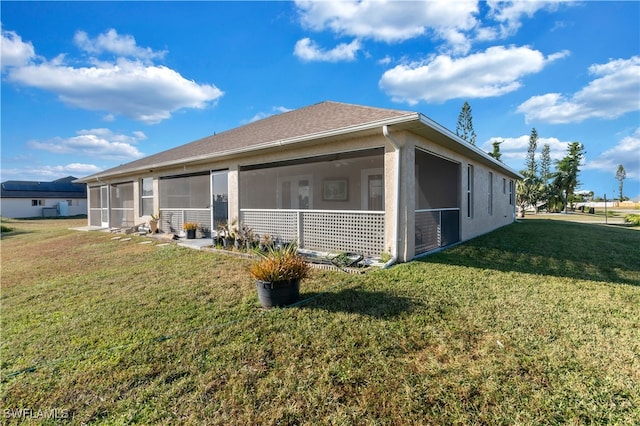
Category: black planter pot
[191,234]
[279,293]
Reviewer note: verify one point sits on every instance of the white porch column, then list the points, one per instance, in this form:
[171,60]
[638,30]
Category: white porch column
[234,193]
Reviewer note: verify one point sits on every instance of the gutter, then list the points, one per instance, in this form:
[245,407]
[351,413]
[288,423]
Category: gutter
[396,223]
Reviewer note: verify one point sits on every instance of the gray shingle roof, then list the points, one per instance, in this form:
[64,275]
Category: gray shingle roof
[314,119]
[61,188]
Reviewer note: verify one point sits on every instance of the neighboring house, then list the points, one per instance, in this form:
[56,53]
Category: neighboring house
[332,176]
[61,197]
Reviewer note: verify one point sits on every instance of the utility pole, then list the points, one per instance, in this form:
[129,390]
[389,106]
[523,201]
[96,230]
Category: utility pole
[605,209]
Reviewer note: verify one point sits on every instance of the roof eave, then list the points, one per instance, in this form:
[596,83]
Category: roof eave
[467,146]
[258,147]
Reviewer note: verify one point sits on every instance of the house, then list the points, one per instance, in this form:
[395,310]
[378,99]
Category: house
[61,197]
[332,176]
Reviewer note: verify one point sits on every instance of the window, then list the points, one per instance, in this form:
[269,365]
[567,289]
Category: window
[469,191]
[146,196]
[37,203]
[340,181]
[70,203]
[490,193]
[510,192]
[190,191]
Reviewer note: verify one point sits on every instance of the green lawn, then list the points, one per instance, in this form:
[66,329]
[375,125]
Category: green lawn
[536,323]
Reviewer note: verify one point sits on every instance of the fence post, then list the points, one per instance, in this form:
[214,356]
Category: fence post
[300,228]
[439,228]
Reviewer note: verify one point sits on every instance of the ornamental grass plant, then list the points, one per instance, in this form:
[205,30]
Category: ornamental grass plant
[279,264]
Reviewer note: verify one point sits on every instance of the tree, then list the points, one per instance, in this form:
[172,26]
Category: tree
[496,150]
[530,188]
[621,175]
[545,163]
[528,191]
[530,161]
[464,128]
[545,175]
[567,169]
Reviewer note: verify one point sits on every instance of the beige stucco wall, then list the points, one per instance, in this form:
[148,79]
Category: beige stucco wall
[481,222]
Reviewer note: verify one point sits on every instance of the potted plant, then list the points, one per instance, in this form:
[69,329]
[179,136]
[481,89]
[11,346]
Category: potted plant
[153,222]
[227,234]
[244,237]
[191,228]
[278,274]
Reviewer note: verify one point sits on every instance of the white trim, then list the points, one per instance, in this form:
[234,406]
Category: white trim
[313,211]
[438,210]
[105,208]
[448,133]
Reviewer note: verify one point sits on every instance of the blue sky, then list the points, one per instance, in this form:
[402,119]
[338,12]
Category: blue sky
[91,85]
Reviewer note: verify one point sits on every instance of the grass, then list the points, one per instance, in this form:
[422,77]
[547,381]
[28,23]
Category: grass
[536,323]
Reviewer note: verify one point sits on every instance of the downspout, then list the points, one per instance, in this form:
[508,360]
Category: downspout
[396,223]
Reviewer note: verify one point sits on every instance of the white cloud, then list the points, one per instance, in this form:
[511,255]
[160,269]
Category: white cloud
[494,72]
[95,143]
[309,51]
[455,23]
[15,52]
[626,152]
[615,91]
[112,42]
[385,61]
[514,150]
[48,173]
[262,115]
[392,21]
[132,88]
[509,14]
[142,92]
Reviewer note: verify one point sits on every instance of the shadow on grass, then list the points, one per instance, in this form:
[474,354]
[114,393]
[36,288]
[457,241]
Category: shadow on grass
[377,304]
[547,247]
[14,233]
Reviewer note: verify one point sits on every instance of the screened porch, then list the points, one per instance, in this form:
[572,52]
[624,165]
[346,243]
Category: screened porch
[111,205]
[332,203]
[437,213]
[190,198]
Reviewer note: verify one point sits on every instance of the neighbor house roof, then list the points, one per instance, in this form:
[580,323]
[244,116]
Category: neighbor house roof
[60,188]
[313,122]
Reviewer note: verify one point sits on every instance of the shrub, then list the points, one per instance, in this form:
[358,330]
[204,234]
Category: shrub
[633,219]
